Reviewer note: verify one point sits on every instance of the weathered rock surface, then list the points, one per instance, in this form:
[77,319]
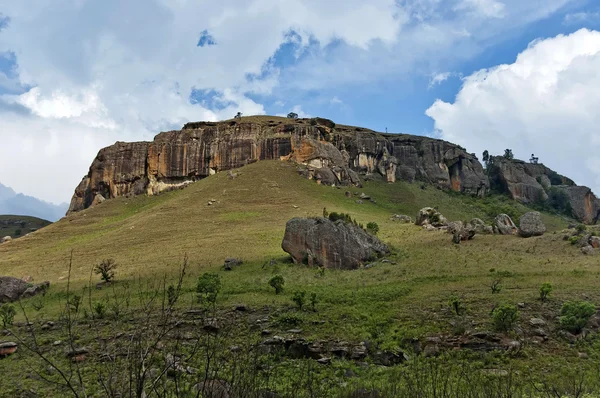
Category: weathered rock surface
[480,227]
[463,233]
[530,224]
[340,245]
[5,239]
[585,205]
[333,153]
[401,218]
[12,289]
[505,225]
[430,216]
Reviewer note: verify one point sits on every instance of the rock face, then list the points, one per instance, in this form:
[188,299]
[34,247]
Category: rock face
[530,224]
[340,245]
[505,225]
[585,205]
[480,227]
[332,154]
[12,289]
[430,216]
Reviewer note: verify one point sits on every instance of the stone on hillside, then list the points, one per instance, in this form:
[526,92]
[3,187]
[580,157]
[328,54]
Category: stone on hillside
[589,250]
[465,232]
[340,245]
[12,289]
[505,224]
[5,239]
[402,218]
[537,322]
[7,348]
[595,242]
[530,224]
[230,263]
[480,227]
[455,226]
[98,199]
[430,216]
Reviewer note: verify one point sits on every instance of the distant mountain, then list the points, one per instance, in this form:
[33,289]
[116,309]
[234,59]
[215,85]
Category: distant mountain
[22,205]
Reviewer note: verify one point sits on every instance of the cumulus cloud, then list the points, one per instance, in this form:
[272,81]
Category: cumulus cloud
[439,78]
[546,103]
[89,73]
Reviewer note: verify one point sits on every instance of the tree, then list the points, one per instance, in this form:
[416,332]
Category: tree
[486,156]
[292,115]
[208,287]
[106,270]
[277,283]
[534,159]
[238,115]
[508,154]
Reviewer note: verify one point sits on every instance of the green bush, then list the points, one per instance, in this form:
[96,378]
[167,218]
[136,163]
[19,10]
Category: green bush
[106,270]
[456,304]
[7,314]
[505,317]
[277,283]
[100,309]
[73,303]
[171,295]
[496,286]
[574,239]
[300,299]
[314,300]
[545,291]
[574,315]
[208,287]
[373,228]
[580,228]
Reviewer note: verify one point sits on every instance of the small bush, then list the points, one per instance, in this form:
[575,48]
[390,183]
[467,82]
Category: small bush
[7,314]
[171,295]
[505,317]
[277,283]
[100,309]
[38,303]
[314,300]
[456,304]
[208,287]
[325,213]
[496,286]
[580,228]
[545,291]
[574,239]
[73,303]
[287,320]
[106,270]
[300,299]
[574,315]
[373,228]
[320,272]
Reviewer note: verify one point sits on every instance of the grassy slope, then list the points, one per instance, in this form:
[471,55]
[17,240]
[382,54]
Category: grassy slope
[148,237]
[30,222]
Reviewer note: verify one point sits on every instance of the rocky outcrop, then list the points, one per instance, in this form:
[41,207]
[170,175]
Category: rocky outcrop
[531,183]
[12,289]
[505,225]
[480,227]
[430,216]
[530,224]
[332,154]
[5,239]
[339,245]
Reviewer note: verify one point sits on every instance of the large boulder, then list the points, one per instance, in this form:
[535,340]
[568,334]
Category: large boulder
[12,289]
[530,224]
[505,225]
[340,245]
[401,218]
[5,239]
[480,227]
[463,233]
[430,216]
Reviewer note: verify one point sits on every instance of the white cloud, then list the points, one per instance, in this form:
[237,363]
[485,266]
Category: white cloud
[98,72]
[546,103]
[439,78]
[336,101]
[297,110]
[581,17]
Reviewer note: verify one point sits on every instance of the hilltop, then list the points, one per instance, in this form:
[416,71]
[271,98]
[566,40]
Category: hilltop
[18,226]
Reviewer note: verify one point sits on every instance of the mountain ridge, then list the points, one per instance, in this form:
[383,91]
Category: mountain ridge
[18,204]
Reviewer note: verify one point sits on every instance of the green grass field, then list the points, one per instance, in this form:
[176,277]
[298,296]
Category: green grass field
[402,299]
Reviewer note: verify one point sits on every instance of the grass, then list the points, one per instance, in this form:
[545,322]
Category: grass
[18,226]
[389,303]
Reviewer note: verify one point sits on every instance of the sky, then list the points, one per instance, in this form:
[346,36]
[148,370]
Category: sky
[79,75]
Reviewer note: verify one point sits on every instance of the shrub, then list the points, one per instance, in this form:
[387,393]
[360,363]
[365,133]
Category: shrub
[73,303]
[100,309]
[580,228]
[456,304]
[277,283]
[208,287]
[505,317]
[574,239]
[106,270]
[325,213]
[7,314]
[171,295]
[574,315]
[545,291]
[313,301]
[300,299]
[496,286]
[373,228]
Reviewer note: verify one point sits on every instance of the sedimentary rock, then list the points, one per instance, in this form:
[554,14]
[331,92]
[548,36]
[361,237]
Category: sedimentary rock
[430,216]
[463,233]
[530,224]
[201,149]
[404,219]
[505,225]
[5,239]
[12,289]
[340,245]
[480,227]
[585,205]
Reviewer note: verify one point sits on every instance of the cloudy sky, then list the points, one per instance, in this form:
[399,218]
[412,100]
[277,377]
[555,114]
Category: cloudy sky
[78,75]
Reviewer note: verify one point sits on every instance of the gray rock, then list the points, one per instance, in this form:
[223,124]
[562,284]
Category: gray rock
[430,216]
[505,224]
[36,289]
[231,263]
[589,250]
[7,348]
[5,239]
[466,232]
[480,227]
[330,244]
[530,224]
[402,218]
[11,288]
[537,322]
[595,242]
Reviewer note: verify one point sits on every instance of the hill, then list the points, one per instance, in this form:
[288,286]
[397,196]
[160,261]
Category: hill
[14,203]
[398,303]
[18,226]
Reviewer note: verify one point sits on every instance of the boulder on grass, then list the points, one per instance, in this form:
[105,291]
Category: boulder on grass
[530,224]
[505,225]
[12,289]
[480,227]
[430,216]
[339,244]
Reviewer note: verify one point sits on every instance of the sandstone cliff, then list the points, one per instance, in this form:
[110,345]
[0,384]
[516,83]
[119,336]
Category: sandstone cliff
[332,154]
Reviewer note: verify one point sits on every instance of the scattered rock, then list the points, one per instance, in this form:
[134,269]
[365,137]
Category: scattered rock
[463,233]
[589,250]
[348,194]
[339,245]
[324,361]
[241,307]
[7,348]
[6,239]
[431,350]
[537,322]
[402,218]
[595,242]
[530,224]
[364,196]
[77,355]
[480,227]
[359,202]
[505,225]
[11,289]
[430,216]
[214,388]
[36,289]
[230,263]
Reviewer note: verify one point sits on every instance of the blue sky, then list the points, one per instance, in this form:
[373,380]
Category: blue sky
[77,75]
